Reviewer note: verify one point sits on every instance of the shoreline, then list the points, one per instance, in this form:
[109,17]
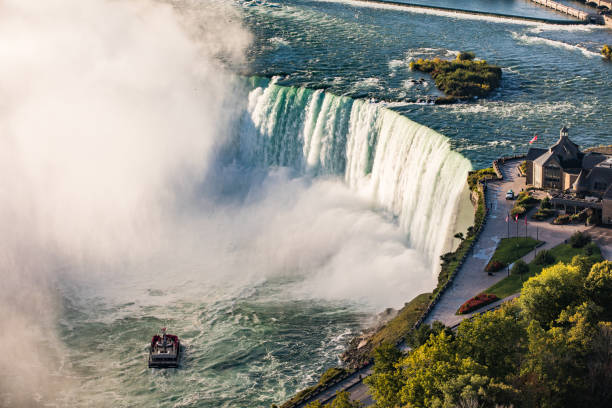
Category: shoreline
[472,12]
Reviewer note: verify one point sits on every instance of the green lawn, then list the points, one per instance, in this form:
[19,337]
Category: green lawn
[510,249]
[562,253]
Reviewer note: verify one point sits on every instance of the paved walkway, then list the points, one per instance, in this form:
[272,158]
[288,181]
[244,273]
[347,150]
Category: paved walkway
[472,279]
[353,384]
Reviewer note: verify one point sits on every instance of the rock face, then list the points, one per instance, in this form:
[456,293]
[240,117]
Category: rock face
[359,348]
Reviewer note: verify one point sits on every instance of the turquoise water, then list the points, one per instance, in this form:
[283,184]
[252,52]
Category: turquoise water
[551,74]
[329,204]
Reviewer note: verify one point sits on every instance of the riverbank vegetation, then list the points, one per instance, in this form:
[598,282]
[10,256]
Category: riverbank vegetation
[462,78]
[552,347]
[361,351]
[401,326]
[326,379]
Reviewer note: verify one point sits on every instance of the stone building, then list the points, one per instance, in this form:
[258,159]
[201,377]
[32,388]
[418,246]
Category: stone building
[563,168]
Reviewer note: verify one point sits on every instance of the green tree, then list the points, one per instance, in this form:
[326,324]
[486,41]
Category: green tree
[314,404]
[385,358]
[343,400]
[599,362]
[556,361]
[584,264]
[426,371]
[544,296]
[494,340]
[599,286]
[420,336]
[544,258]
[475,390]
[520,268]
[385,381]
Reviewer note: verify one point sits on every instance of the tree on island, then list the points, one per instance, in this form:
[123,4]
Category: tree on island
[462,78]
[606,51]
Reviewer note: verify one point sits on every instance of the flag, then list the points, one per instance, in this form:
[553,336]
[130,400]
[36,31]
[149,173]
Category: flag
[516,218]
[506,217]
[534,139]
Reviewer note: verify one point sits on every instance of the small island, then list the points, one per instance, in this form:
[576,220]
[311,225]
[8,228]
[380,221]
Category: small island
[462,78]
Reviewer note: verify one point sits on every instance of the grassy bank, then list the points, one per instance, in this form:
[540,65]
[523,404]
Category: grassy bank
[403,323]
[561,253]
[326,379]
[461,78]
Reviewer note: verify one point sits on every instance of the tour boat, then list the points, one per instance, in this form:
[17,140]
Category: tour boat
[165,351]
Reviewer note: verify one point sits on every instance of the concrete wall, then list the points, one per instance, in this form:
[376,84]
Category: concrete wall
[529,172]
[537,175]
[568,180]
[563,8]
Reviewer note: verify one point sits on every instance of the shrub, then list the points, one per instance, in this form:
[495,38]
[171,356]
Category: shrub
[579,239]
[478,175]
[526,199]
[477,302]
[543,214]
[465,56]
[545,203]
[562,219]
[445,100]
[518,210]
[519,268]
[494,266]
[544,258]
[606,51]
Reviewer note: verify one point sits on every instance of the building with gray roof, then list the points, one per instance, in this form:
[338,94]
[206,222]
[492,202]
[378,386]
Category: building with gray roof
[563,167]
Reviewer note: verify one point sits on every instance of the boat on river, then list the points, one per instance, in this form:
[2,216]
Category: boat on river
[165,350]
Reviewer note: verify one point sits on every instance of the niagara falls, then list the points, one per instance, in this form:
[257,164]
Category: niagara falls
[260,203]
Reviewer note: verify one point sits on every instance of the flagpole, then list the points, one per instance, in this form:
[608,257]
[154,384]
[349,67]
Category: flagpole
[508,223]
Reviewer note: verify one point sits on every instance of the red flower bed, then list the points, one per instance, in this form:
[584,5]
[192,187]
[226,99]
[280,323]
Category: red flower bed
[494,266]
[476,302]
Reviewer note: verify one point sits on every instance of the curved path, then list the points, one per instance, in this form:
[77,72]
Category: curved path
[471,278]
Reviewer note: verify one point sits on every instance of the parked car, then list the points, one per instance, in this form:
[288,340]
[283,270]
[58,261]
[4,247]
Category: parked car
[510,195]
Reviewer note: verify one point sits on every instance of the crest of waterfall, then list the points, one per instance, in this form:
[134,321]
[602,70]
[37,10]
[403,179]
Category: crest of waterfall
[403,167]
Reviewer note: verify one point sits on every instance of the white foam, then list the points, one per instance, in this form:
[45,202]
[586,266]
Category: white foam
[526,39]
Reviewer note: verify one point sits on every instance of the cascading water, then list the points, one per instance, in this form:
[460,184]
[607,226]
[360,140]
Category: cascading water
[404,168]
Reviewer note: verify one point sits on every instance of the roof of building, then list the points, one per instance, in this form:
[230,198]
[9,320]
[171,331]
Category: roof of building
[587,178]
[591,160]
[608,194]
[545,158]
[535,152]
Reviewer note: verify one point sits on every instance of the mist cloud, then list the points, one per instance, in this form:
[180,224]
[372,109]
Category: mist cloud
[111,113]
[109,110]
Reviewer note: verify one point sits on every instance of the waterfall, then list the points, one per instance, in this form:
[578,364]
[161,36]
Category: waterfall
[403,167]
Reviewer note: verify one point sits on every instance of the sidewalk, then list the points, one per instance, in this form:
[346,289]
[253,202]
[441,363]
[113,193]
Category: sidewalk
[472,279]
